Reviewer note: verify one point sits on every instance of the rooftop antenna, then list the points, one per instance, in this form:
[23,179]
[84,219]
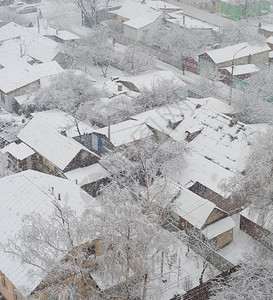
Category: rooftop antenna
[109,128]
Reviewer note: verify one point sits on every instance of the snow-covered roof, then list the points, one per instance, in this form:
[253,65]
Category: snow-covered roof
[267,27]
[243,69]
[83,176]
[226,54]
[14,78]
[62,34]
[25,193]
[259,216]
[49,143]
[138,14]
[193,208]
[19,151]
[33,44]
[197,168]
[213,104]
[181,20]
[219,227]
[126,132]
[270,54]
[61,121]
[219,142]
[149,79]
[270,40]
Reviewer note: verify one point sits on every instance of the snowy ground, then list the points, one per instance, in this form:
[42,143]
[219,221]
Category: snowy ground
[242,242]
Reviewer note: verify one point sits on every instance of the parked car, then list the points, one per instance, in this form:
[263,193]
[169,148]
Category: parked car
[32,1]
[27,10]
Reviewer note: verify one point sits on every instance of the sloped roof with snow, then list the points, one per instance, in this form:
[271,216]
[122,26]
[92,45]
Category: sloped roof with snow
[226,54]
[219,227]
[25,193]
[149,79]
[193,208]
[218,141]
[243,69]
[126,132]
[61,121]
[33,44]
[19,151]
[87,174]
[138,14]
[49,143]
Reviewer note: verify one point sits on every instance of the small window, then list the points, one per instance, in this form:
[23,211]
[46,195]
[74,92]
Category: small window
[16,295]
[4,282]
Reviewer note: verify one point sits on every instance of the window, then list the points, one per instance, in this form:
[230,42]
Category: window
[16,295]
[4,282]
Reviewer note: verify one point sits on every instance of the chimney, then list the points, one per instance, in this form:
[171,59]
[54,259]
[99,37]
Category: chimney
[59,196]
[184,20]
[52,189]
[57,31]
[119,87]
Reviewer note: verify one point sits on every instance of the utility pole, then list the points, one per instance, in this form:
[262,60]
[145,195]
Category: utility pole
[232,72]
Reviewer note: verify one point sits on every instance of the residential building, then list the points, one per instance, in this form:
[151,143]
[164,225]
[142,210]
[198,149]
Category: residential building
[240,54]
[23,194]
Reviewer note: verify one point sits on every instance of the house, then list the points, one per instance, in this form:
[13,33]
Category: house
[20,156]
[258,224]
[236,11]
[90,178]
[55,153]
[190,211]
[177,20]
[149,80]
[216,136]
[239,73]
[21,81]
[266,29]
[23,194]
[119,136]
[241,54]
[137,26]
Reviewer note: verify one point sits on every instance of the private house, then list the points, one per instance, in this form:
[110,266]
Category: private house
[119,136]
[177,20]
[150,80]
[137,26]
[240,73]
[18,82]
[216,136]
[55,153]
[23,194]
[190,211]
[20,156]
[266,29]
[236,11]
[241,54]
[258,224]
[90,178]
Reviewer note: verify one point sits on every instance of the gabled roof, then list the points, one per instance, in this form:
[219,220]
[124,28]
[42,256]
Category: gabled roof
[89,174]
[126,132]
[19,151]
[61,121]
[49,143]
[138,14]
[218,141]
[25,193]
[193,208]
[242,69]
[34,44]
[226,54]
[219,227]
